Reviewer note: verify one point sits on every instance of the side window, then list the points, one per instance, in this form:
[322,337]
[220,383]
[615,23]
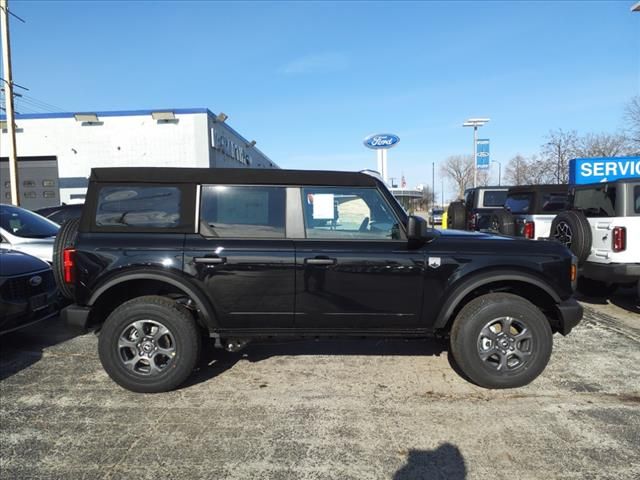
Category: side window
[596,202]
[555,202]
[518,202]
[494,198]
[636,199]
[245,211]
[348,213]
[139,206]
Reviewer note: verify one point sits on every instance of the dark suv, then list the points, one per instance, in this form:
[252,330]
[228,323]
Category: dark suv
[474,212]
[163,257]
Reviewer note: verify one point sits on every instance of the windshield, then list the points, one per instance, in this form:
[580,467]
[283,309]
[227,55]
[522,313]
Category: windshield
[26,224]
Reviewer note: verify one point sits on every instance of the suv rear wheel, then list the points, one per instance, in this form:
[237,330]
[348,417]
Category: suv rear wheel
[457,216]
[149,344]
[501,340]
[572,229]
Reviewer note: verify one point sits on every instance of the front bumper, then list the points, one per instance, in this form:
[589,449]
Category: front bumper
[569,315]
[611,272]
[76,316]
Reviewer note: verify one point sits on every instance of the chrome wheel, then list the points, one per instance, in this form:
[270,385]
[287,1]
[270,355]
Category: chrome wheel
[563,234]
[146,347]
[505,344]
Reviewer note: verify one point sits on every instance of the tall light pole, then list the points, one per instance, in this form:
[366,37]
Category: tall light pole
[475,123]
[499,170]
[8,101]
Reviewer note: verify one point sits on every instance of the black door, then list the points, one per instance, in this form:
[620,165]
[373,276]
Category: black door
[354,269]
[241,257]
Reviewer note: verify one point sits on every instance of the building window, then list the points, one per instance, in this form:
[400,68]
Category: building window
[7,184]
[77,196]
[49,194]
[7,195]
[29,194]
[29,183]
[243,212]
[139,207]
[48,183]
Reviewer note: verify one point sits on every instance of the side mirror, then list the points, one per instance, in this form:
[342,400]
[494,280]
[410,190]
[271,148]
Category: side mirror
[416,228]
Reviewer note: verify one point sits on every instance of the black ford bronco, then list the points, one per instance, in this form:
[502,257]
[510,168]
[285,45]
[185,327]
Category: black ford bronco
[164,258]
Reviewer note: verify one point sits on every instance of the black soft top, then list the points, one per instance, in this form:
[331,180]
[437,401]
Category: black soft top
[546,188]
[263,176]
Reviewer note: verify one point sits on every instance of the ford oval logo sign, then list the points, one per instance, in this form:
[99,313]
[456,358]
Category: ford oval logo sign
[381,140]
[35,281]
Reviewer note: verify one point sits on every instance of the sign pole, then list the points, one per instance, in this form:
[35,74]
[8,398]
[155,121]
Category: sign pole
[475,156]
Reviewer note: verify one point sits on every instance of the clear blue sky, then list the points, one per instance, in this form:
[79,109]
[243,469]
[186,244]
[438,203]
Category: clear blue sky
[309,80]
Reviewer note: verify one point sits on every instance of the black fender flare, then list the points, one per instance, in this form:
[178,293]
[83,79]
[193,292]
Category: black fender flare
[204,306]
[484,278]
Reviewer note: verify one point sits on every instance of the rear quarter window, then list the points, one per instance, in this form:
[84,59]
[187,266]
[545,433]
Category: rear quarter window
[139,207]
[636,199]
[494,198]
[598,201]
[555,202]
[519,203]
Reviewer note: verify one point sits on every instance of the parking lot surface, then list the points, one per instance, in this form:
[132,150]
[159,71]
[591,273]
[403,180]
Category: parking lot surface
[326,409]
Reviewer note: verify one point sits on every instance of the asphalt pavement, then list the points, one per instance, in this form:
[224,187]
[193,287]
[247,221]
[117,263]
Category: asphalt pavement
[326,409]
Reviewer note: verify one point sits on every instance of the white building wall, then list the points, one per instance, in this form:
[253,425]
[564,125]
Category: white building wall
[130,139]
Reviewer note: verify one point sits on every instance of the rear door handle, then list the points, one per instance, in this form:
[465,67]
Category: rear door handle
[210,260]
[320,261]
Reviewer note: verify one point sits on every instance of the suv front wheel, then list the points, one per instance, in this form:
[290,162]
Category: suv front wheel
[501,340]
[149,344]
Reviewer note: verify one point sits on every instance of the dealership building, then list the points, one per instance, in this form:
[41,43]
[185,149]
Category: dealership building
[56,151]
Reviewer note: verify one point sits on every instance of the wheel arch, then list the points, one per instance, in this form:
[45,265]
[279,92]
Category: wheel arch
[528,285]
[129,285]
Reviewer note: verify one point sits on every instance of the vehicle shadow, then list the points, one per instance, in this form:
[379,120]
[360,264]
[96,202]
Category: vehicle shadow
[624,298]
[23,348]
[216,361]
[445,462]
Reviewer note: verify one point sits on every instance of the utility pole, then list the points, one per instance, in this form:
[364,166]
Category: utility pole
[433,184]
[8,101]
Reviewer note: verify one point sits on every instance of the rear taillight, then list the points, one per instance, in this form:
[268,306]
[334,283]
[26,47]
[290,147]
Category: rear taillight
[471,222]
[619,241]
[69,264]
[529,230]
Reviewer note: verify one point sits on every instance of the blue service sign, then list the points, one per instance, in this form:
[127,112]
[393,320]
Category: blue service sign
[483,158]
[606,169]
[381,141]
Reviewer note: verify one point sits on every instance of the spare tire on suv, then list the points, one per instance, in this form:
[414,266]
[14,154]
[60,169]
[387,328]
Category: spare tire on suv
[502,221]
[66,238]
[456,216]
[572,229]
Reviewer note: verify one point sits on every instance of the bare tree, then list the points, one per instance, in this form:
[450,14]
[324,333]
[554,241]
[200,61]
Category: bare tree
[459,170]
[516,172]
[561,147]
[602,145]
[632,118]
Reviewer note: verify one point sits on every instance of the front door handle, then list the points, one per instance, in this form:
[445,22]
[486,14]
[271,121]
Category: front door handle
[320,261]
[210,260]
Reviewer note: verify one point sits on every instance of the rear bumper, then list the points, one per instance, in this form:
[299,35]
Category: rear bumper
[611,272]
[569,315]
[76,316]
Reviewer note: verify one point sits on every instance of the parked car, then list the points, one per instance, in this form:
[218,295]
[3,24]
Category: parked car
[162,255]
[28,292]
[61,213]
[435,217]
[27,232]
[529,210]
[602,229]
[474,212]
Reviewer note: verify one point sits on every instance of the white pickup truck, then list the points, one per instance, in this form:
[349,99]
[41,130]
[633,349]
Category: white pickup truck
[603,230]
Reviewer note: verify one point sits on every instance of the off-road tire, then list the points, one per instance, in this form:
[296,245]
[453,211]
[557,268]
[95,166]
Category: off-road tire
[457,216]
[572,229]
[65,238]
[180,325]
[596,288]
[503,222]
[466,340]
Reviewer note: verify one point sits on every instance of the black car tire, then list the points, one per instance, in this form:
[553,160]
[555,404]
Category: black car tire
[457,216]
[572,229]
[66,238]
[154,310]
[503,222]
[528,353]
[596,288]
